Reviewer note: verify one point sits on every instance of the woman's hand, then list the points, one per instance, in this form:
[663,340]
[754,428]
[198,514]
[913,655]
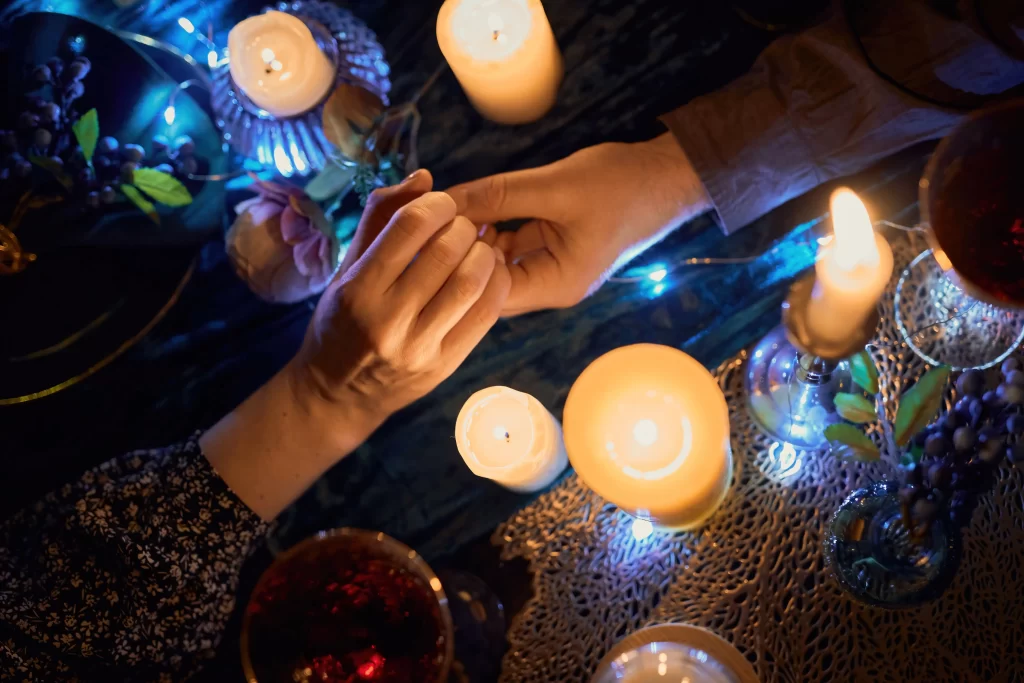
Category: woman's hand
[396,321]
[406,314]
[593,211]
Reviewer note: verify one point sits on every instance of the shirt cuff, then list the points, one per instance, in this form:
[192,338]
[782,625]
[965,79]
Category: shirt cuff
[743,148]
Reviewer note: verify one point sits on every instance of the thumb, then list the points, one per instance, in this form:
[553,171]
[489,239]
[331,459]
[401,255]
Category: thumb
[506,196]
[380,208]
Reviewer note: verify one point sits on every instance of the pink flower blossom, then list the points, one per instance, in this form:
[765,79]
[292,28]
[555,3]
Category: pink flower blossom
[278,244]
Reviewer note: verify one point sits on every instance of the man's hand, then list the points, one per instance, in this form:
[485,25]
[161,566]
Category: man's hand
[592,212]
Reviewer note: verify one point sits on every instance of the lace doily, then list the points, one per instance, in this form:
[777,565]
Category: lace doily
[755,573]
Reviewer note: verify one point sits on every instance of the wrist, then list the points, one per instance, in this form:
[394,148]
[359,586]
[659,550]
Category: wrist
[340,420]
[681,177]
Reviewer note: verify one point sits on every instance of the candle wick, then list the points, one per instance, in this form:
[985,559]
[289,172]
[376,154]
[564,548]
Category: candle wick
[496,34]
[507,438]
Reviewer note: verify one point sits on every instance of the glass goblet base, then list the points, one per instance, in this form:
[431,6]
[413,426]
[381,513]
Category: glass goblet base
[946,326]
[791,394]
[872,556]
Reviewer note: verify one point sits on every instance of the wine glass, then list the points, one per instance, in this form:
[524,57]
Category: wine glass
[961,303]
[348,605]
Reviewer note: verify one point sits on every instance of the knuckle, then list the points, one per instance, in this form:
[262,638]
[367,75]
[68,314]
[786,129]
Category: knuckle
[411,216]
[469,283]
[495,190]
[444,204]
[445,252]
[375,199]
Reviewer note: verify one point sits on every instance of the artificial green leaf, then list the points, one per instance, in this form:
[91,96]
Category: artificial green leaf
[349,116]
[920,404]
[136,197]
[330,182]
[87,132]
[849,442]
[864,372]
[55,169]
[161,186]
[855,408]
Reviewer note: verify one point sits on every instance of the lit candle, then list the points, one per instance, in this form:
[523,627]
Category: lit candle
[509,437]
[647,428]
[277,63]
[504,54]
[852,272]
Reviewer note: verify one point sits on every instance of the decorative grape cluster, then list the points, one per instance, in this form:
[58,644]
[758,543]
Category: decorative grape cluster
[44,138]
[115,164]
[957,454]
[44,126]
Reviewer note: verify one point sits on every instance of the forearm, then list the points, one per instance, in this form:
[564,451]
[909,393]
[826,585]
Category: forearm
[276,444]
[810,110]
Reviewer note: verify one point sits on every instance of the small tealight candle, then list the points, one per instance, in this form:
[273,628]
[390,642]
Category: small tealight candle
[851,272]
[647,428]
[509,437]
[277,63]
[504,54]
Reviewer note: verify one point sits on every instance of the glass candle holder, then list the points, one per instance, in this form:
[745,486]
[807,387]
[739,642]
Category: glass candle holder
[647,429]
[674,652]
[296,145]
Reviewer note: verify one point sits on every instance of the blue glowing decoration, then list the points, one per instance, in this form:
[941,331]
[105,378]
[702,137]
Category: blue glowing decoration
[658,275]
[658,289]
[642,529]
[282,162]
[169,115]
[187,25]
[77,44]
[211,59]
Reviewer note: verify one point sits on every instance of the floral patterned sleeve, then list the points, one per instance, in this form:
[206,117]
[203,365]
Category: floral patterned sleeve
[127,574]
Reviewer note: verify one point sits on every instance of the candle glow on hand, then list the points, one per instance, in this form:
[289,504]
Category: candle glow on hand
[277,63]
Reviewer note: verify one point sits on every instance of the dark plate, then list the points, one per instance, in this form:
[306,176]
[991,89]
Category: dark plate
[100,282]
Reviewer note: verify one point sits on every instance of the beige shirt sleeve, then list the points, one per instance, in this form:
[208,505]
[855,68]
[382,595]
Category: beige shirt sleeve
[811,109]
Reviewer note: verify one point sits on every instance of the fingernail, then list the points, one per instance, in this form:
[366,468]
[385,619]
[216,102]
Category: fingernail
[483,228]
[499,254]
[412,176]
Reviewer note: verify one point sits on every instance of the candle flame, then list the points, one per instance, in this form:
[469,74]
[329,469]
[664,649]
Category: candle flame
[854,243]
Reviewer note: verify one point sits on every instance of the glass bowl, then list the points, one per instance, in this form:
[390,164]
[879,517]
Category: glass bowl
[347,605]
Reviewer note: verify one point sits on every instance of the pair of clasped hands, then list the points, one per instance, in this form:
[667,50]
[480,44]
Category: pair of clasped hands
[425,277]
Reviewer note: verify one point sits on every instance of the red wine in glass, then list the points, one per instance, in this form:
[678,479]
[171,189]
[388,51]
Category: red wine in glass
[972,197]
[347,607]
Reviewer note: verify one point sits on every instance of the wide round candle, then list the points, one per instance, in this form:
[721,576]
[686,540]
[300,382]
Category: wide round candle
[504,54]
[851,273]
[277,63]
[647,428]
[509,437]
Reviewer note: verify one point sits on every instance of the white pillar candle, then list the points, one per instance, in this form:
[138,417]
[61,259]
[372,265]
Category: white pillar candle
[276,62]
[852,272]
[504,54]
[509,437]
[647,428]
